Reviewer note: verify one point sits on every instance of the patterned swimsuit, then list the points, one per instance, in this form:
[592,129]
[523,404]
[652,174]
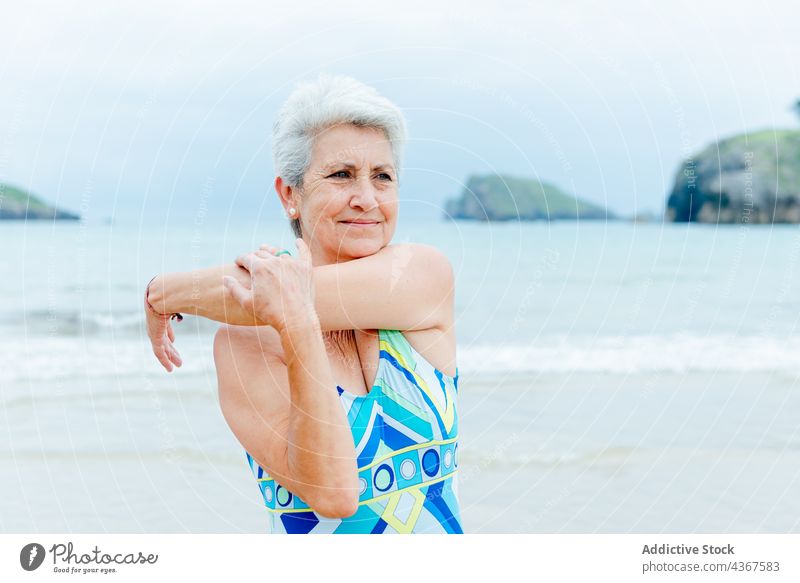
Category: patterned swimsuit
[406,435]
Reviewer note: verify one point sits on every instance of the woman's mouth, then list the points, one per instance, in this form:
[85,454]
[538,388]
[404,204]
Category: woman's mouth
[360,224]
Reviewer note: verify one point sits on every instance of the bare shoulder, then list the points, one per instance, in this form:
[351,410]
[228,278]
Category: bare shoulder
[433,277]
[434,270]
[427,260]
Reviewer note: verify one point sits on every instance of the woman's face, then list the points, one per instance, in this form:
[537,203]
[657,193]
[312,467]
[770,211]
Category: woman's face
[351,178]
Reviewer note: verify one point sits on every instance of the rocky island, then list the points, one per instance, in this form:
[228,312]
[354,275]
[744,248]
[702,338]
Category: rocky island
[16,203]
[496,197]
[749,178]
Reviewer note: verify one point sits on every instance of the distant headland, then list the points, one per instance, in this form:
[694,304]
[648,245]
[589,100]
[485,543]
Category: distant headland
[17,204]
[748,178]
[495,197]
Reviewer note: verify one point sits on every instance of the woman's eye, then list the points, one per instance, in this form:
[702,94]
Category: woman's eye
[337,174]
[387,177]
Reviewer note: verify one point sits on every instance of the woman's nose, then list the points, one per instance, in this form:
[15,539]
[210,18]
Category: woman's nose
[364,194]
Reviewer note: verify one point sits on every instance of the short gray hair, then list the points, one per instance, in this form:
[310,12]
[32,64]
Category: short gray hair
[315,106]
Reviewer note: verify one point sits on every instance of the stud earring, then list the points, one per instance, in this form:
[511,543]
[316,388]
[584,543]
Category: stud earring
[292,210]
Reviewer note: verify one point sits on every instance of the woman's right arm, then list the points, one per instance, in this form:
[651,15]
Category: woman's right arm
[317,457]
[287,414]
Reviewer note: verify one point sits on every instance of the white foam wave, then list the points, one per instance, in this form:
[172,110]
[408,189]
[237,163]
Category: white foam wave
[83,323]
[676,353]
[57,357]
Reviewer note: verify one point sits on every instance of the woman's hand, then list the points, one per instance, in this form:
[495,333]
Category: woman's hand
[281,288]
[159,330]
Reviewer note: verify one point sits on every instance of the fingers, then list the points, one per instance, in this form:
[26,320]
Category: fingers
[161,355]
[167,355]
[270,250]
[245,261]
[303,251]
[174,357]
[161,338]
[237,291]
[265,251]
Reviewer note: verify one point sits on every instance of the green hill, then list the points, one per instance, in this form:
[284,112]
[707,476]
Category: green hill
[16,203]
[748,178]
[496,197]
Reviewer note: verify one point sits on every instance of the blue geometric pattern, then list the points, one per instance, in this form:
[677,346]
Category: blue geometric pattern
[406,435]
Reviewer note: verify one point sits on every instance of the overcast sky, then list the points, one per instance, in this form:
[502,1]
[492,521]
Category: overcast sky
[158,110]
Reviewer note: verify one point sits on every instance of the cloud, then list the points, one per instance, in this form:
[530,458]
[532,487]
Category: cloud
[89,92]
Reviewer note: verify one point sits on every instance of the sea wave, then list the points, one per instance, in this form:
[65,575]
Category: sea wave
[169,454]
[52,357]
[106,399]
[500,459]
[674,353]
[86,323]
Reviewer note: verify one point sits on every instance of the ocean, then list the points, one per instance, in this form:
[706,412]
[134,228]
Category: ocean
[614,377]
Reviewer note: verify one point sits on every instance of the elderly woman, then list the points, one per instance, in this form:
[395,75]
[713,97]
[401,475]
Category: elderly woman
[336,368]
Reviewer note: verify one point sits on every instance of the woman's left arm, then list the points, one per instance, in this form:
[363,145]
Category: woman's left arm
[405,286]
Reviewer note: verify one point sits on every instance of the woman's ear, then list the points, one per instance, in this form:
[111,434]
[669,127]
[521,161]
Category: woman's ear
[285,192]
